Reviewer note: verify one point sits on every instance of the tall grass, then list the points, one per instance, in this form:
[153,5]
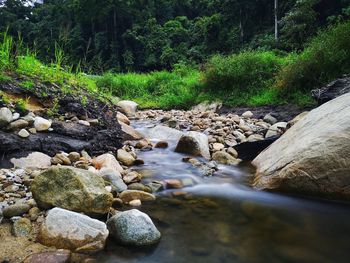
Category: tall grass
[6,43]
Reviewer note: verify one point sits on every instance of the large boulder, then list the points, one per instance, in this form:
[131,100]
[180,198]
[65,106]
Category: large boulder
[128,107]
[69,230]
[133,228]
[73,189]
[312,157]
[194,143]
[332,90]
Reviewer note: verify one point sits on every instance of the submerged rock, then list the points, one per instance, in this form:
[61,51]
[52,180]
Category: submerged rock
[194,143]
[73,189]
[130,195]
[59,256]
[225,158]
[73,231]
[133,228]
[312,157]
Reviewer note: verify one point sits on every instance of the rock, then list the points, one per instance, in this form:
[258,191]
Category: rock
[276,129]
[297,118]
[130,195]
[107,161]
[135,203]
[15,210]
[132,177]
[74,156]
[21,227]
[115,178]
[239,136]
[11,188]
[255,137]
[59,256]
[163,133]
[35,160]
[161,144]
[18,124]
[23,133]
[5,116]
[122,118]
[270,119]
[332,90]
[73,231]
[218,147]
[129,108]
[140,187]
[232,152]
[73,189]
[133,228]
[225,158]
[32,130]
[130,134]
[41,124]
[173,184]
[194,143]
[34,213]
[155,186]
[15,116]
[62,159]
[30,118]
[207,107]
[312,157]
[125,157]
[85,123]
[247,114]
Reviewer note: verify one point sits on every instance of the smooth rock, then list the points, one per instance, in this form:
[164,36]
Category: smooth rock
[133,228]
[35,160]
[140,187]
[23,133]
[59,256]
[194,143]
[128,107]
[312,157]
[218,147]
[107,161]
[85,123]
[122,118]
[5,116]
[132,177]
[129,133]
[41,124]
[115,178]
[247,114]
[161,144]
[125,157]
[73,189]
[73,231]
[163,133]
[225,158]
[18,124]
[135,203]
[74,156]
[15,210]
[130,195]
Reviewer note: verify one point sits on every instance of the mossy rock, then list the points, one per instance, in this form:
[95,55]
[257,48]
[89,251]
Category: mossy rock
[72,189]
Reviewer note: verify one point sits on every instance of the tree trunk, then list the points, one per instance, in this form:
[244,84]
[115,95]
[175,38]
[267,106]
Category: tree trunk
[276,20]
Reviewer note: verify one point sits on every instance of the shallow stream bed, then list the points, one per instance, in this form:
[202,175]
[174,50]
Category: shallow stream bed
[222,219]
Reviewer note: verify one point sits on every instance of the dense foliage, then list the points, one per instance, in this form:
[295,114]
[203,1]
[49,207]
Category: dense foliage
[138,35]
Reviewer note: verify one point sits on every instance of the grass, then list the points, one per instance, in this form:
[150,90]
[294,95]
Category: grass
[250,78]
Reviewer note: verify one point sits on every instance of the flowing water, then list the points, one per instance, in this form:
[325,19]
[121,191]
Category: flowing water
[222,219]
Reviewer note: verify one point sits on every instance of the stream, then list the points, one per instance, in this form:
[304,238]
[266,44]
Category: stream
[222,219]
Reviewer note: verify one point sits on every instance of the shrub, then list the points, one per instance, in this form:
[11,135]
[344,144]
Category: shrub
[326,58]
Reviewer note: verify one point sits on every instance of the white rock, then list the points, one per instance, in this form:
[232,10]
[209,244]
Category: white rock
[15,116]
[248,115]
[41,124]
[69,230]
[107,161]
[23,133]
[195,143]
[85,123]
[5,116]
[276,129]
[128,107]
[35,160]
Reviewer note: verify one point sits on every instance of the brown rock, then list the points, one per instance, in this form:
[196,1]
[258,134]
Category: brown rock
[130,195]
[59,256]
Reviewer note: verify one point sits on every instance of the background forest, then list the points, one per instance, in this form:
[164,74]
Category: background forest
[227,48]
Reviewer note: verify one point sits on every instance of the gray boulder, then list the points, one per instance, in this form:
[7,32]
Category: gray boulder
[312,157]
[133,228]
[69,230]
[194,143]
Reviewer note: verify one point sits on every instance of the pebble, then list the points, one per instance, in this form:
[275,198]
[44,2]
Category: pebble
[15,210]
[23,133]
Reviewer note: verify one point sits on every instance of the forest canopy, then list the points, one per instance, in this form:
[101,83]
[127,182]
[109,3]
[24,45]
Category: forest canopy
[147,35]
